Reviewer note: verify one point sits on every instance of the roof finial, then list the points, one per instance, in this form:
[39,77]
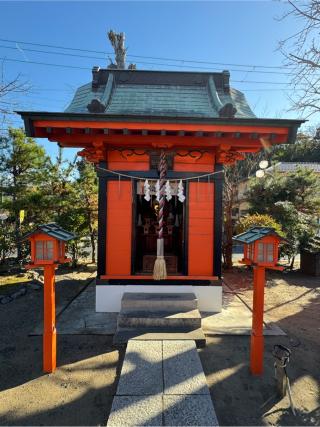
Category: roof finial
[117,41]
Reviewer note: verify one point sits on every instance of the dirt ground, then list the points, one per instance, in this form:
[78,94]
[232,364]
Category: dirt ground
[81,391]
[292,301]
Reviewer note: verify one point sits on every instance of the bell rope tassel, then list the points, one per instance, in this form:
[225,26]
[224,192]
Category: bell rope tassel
[160,269]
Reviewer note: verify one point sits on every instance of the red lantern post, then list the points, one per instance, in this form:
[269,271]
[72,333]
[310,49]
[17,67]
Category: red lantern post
[261,247]
[48,251]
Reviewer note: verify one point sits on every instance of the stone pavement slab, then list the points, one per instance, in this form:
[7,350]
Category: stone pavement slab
[162,383]
[80,317]
[182,369]
[235,318]
[141,372]
[123,335]
[182,410]
[136,411]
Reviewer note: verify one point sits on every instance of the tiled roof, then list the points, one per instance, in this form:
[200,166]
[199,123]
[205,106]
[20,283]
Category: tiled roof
[255,233]
[53,230]
[292,166]
[161,100]
[159,93]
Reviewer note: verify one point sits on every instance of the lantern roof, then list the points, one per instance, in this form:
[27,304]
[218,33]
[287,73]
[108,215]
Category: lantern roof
[160,93]
[53,230]
[256,233]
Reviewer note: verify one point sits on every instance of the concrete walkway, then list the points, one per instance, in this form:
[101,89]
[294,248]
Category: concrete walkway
[162,384]
[235,318]
[80,318]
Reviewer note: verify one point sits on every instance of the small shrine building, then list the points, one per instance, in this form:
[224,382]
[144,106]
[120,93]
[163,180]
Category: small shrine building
[124,121]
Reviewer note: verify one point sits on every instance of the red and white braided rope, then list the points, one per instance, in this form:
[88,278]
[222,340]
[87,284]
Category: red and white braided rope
[163,171]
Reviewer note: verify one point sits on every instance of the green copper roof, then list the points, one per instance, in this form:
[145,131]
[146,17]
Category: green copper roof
[255,233]
[159,93]
[53,230]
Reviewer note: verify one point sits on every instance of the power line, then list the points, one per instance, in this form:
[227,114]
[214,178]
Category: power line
[27,96]
[87,68]
[143,56]
[45,63]
[147,63]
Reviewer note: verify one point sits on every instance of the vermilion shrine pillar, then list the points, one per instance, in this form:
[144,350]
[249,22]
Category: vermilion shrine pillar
[257,340]
[49,323]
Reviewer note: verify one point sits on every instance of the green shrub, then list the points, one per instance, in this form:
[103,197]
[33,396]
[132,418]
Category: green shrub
[255,220]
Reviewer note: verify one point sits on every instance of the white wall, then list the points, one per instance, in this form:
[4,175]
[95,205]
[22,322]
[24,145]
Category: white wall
[108,297]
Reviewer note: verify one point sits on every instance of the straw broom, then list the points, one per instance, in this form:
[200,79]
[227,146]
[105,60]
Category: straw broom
[160,270]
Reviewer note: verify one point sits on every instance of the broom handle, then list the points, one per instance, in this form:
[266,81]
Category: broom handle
[163,169]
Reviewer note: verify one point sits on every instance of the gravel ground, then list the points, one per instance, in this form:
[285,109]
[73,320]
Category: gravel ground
[80,392]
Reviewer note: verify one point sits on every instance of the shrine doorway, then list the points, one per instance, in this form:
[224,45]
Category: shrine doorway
[145,233]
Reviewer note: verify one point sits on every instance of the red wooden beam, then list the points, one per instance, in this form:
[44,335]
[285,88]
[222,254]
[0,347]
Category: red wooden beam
[160,126]
[243,144]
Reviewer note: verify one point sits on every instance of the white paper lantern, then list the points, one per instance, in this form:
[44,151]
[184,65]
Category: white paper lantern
[260,173]
[263,164]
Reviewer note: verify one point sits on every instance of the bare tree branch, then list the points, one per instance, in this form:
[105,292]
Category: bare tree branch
[309,12]
[302,54]
[9,91]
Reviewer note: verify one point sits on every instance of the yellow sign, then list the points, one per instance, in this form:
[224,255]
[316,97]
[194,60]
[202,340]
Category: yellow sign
[22,212]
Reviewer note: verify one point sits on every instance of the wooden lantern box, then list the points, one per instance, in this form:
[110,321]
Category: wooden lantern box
[47,243]
[260,246]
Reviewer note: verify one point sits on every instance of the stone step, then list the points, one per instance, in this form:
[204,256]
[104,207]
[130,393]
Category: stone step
[150,318]
[123,335]
[159,301]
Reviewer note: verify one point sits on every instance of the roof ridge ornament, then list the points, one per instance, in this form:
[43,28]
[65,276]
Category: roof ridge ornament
[95,76]
[99,105]
[228,111]
[226,81]
[117,42]
[96,106]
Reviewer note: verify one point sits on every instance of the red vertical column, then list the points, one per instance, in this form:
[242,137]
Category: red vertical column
[256,351]
[201,229]
[119,227]
[49,324]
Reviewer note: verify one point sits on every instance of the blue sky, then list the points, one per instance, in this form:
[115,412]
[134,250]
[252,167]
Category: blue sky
[240,33]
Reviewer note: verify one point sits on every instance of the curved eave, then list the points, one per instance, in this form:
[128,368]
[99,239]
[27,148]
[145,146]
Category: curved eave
[30,117]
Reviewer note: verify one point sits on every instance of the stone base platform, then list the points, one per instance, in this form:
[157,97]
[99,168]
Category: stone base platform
[109,292]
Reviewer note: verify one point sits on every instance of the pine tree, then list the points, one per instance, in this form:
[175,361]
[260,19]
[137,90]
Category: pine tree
[87,186]
[293,200]
[22,168]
